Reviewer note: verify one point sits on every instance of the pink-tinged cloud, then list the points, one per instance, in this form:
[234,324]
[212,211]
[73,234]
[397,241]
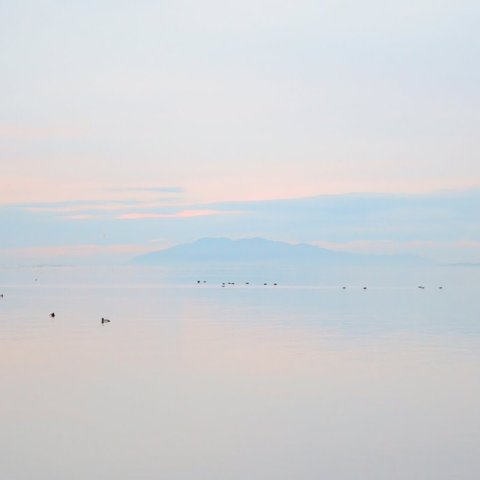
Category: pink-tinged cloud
[80,217]
[105,207]
[182,214]
[33,187]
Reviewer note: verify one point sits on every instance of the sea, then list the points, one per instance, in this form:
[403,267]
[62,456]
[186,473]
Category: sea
[239,373]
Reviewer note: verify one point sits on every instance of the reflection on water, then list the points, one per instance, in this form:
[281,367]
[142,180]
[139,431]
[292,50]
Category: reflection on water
[197,381]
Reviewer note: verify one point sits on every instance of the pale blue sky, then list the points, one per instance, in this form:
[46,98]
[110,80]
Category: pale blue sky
[235,101]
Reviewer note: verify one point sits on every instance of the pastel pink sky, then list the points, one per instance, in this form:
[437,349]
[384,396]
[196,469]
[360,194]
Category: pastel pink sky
[302,99]
[20,189]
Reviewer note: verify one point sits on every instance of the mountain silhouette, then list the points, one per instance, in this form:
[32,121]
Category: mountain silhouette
[260,250]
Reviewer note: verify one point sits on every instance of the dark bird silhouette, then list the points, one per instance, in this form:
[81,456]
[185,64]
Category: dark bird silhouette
[1,295]
[52,314]
[440,288]
[105,320]
[343,288]
[364,288]
[275,284]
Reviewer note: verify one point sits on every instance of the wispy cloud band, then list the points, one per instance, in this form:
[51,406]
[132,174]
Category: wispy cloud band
[180,214]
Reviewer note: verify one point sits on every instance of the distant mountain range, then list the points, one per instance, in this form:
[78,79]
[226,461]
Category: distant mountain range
[259,250]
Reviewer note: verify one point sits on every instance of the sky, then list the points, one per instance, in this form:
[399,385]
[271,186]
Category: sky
[130,126]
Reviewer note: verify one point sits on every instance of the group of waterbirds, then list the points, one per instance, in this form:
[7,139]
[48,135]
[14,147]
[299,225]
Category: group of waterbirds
[102,321]
[422,287]
[224,284]
[52,314]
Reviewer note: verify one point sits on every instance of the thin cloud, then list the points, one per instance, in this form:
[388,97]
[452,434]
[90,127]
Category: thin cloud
[81,250]
[161,189]
[182,214]
[80,217]
[91,207]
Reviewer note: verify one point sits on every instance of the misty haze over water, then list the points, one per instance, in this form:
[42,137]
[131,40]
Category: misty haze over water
[299,380]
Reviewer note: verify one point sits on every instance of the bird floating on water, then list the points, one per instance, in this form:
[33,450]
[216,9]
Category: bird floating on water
[52,314]
[105,320]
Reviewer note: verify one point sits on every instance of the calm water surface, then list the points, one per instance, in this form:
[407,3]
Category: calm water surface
[300,381]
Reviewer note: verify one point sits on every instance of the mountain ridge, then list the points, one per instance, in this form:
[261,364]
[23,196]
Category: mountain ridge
[258,250]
